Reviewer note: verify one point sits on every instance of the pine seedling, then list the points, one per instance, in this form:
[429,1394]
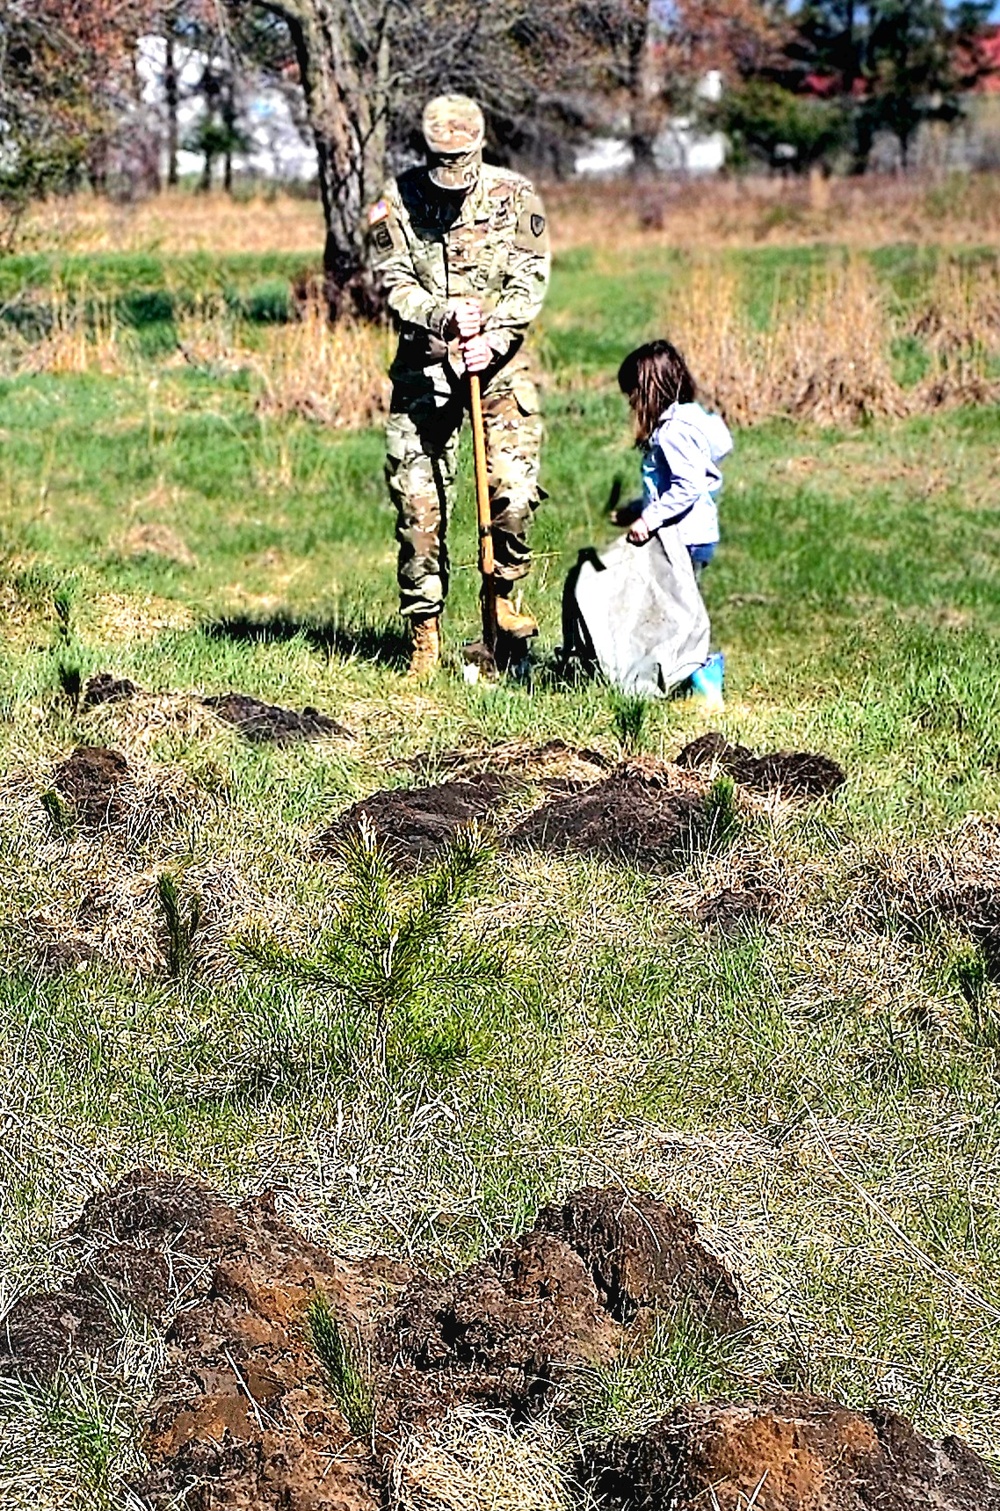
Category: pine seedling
[721,812]
[58,813]
[347,1379]
[62,602]
[393,951]
[71,682]
[628,717]
[181,926]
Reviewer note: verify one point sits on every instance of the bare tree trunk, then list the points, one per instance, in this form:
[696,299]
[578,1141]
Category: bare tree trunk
[171,92]
[346,79]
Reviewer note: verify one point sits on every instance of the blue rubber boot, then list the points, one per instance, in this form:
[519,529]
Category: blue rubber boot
[706,683]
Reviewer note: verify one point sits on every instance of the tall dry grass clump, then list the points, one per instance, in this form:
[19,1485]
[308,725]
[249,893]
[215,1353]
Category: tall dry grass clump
[334,374]
[825,353]
[83,336]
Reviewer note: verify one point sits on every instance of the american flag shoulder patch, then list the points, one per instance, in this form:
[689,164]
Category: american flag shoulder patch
[378,212]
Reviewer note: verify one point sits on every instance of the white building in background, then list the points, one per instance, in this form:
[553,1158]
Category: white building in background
[276,150]
[680,147]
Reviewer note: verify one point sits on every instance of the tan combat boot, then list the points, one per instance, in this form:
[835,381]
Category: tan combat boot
[517,625]
[426,652]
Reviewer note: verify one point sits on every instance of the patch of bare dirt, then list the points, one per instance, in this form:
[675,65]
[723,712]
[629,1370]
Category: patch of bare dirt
[801,1454]
[645,813]
[92,780]
[789,773]
[415,823]
[158,540]
[268,723]
[735,909]
[104,688]
[246,1416]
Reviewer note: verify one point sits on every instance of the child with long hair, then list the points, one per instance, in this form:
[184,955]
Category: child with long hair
[682,445]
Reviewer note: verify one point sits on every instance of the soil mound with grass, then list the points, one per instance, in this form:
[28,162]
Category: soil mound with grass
[255,1411]
[734,910]
[95,781]
[646,814]
[556,765]
[269,724]
[789,773]
[414,824]
[801,1454]
[104,688]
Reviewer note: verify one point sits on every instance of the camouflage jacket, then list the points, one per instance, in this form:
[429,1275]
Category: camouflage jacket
[428,248]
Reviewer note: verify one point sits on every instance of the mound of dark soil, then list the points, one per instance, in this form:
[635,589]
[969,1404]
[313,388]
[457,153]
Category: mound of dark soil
[92,780]
[267,723]
[734,910]
[46,1330]
[635,815]
[104,688]
[503,1334]
[246,1417]
[791,773]
[641,1253]
[415,823]
[802,1454]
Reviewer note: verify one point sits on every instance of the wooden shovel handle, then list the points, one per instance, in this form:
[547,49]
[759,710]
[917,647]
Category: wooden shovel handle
[483,514]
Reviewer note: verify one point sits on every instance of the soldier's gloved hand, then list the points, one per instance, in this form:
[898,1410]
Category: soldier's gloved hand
[477,354]
[465,320]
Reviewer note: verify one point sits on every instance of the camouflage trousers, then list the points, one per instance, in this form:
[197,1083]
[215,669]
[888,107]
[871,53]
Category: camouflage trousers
[422,436]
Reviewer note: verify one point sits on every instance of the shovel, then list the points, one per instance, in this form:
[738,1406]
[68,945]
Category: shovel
[481,655]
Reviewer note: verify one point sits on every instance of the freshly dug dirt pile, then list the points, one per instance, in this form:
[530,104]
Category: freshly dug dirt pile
[246,1416]
[267,723]
[504,1334]
[644,814]
[735,909]
[104,688]
[93,779]
[414,824]
[641,1253]
[791,773]
[802,1454]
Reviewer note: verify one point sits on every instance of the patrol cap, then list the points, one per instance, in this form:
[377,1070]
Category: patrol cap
[454,130]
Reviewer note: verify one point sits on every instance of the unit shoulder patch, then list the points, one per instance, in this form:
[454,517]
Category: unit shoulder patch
[533,227]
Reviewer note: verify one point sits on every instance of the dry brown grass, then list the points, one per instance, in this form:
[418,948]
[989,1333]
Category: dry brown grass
[84,337]
[825,355]
[176,222]
[872,212]
[702,214]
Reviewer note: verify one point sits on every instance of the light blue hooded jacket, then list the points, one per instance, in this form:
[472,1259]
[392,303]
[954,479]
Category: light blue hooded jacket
[680,473]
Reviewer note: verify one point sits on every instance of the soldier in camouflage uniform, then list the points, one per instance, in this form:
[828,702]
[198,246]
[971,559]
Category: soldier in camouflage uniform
[462,252]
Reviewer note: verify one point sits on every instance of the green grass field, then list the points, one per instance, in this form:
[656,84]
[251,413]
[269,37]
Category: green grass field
[820,1091]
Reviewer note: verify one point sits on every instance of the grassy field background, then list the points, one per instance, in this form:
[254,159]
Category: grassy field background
[820,1091]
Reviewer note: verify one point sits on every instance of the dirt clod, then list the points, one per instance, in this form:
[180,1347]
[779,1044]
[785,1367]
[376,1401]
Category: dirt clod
[267,723]
[646,817]
[92,780]
[414,824]
[643,1254]
[801,1454]
[791,773]
[503,1334]
[104,688]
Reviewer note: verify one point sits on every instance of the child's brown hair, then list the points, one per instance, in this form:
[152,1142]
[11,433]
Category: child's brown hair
[655,376]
